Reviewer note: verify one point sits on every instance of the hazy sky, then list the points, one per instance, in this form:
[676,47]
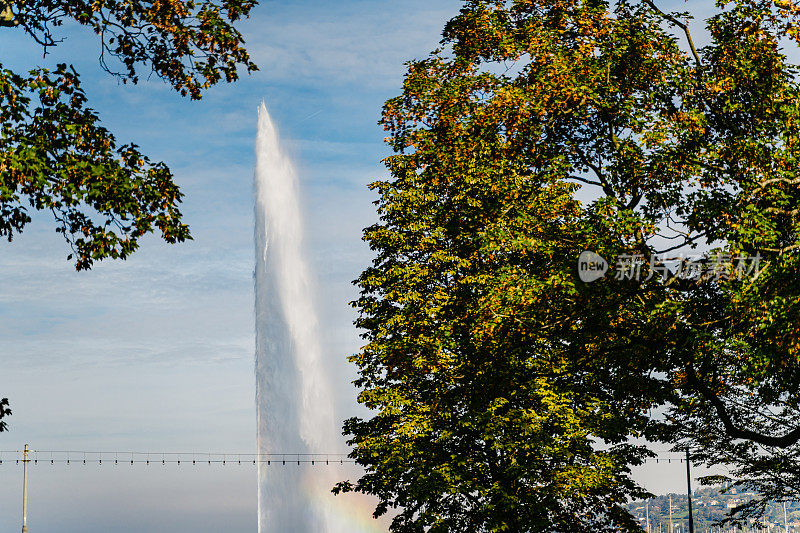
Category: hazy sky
[155,353]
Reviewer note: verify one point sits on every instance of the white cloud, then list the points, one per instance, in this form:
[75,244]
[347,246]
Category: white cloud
[355,43]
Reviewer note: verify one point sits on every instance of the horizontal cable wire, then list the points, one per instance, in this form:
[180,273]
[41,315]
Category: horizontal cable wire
[116,457]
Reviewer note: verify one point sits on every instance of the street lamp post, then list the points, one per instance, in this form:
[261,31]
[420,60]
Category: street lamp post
[25,490]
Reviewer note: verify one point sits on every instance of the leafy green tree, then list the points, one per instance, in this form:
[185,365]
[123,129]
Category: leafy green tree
[504,388]
[54,154]
[483,420]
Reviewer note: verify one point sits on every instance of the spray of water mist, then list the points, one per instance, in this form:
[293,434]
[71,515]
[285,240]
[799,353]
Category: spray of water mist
[293,395]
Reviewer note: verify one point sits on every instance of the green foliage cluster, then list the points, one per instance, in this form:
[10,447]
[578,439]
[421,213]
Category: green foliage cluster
[4,412]
[190,44]
[54,154]
[505,391]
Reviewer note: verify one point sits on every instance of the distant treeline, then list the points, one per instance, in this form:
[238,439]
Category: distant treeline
[710,506]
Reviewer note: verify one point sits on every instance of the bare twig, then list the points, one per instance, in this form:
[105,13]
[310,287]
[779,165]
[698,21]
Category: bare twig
[679,24]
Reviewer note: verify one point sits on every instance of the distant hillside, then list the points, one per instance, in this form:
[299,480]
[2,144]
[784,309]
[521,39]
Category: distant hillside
[710,505]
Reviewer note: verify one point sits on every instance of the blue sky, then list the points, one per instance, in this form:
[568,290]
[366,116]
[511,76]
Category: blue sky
[156,353]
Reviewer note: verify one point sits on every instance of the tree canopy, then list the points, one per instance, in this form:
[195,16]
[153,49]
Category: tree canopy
[54,153]
[505,389]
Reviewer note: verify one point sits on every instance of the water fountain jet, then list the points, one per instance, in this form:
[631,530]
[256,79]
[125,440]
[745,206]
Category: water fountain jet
[294,394]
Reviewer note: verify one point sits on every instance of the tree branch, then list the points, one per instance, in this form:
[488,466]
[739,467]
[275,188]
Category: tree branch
[783,441]
[681,25]
[586,181]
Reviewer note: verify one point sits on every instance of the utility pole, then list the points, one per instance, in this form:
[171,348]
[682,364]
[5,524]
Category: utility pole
[689,491]
[670,514]
[647,513]
[25,490]
[785,520]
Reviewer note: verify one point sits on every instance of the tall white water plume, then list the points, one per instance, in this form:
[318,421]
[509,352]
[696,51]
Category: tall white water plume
[293,395]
